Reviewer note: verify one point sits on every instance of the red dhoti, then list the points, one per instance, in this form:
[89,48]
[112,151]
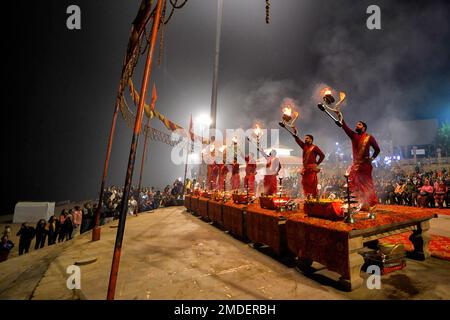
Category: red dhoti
[212,182]
[270,184]
[221,182]
[309,182]
[249,182]
[235,181]
[361,184]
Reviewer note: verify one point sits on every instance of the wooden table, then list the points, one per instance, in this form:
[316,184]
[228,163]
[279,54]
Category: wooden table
[194,204]
[267,227]
[234,219]
[202,209]
[336,244]
[187,202]
[215,211]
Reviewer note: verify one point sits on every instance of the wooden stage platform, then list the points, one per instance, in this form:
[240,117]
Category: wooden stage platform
[334,244]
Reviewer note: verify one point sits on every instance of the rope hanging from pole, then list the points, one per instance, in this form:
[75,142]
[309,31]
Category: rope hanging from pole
[267,11]
[161,35]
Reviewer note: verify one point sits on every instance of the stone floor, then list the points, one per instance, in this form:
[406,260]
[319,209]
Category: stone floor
[170,254]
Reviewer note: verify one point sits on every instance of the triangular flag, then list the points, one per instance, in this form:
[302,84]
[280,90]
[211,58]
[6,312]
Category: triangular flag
[154,97]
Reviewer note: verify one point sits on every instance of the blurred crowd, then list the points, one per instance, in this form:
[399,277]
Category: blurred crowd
[398,187]
[56,229]
[79,220]
[148,198]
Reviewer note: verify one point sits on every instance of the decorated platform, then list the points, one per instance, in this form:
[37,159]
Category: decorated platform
[202,208]
[334,244]
[215,211]
[267,227]
[234,219]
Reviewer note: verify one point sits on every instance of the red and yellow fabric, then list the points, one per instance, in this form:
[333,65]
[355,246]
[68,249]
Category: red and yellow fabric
[151,112]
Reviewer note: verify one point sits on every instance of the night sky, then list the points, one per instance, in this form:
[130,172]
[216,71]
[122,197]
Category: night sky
[61,84]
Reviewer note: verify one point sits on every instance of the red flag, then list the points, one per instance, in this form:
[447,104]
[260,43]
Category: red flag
[154,97]
[191,126]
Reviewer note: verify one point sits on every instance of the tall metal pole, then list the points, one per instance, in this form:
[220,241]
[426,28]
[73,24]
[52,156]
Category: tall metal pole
[216,65]
[131,160]
[144,155]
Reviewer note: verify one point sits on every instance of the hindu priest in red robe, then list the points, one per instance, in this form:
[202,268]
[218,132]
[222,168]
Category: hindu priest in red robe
[360,177]
[235,177]
[312,158]
[273,166]
[250,173]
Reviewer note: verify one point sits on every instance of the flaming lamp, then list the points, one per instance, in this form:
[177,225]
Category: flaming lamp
[258,134]
[328,106]
[235,141]
[288,119]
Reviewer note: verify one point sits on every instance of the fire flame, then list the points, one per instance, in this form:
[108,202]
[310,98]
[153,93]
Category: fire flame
[258,131]
[327,91]
[287,111]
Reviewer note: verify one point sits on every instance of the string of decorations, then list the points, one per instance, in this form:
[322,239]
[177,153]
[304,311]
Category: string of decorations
[267,11]
[161,35]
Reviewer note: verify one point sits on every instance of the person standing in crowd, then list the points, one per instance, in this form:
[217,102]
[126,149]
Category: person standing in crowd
[68,225]
[77,220]
[5,248]
[88,216]
[51,230]
[7,231]
[26,234]
[41,234]
[62,228]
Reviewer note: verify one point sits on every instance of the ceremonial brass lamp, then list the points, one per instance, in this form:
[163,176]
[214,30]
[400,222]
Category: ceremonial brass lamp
[288,119]
[258,134]
[235,141]
[348,206]
[328,107]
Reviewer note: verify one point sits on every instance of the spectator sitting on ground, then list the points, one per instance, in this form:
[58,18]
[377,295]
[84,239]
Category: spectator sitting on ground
[425,197]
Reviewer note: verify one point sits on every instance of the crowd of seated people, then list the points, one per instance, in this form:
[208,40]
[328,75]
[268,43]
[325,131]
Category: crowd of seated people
[397,187]
[420,189]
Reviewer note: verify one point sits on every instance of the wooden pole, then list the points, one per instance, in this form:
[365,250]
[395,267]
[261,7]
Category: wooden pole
[138,28]
[131,160]
[144,155]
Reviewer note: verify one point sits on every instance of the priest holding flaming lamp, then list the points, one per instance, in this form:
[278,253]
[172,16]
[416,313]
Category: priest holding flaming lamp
[310,154]
[360,176]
